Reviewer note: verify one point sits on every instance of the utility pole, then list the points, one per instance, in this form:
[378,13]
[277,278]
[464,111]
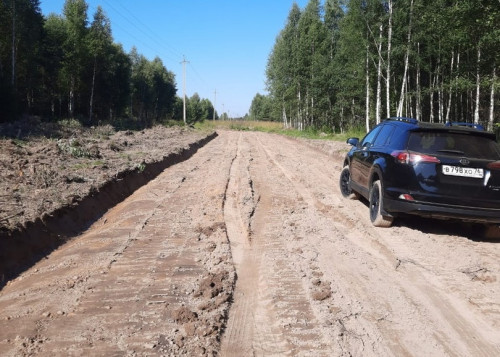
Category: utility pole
[215,100]
[184,87]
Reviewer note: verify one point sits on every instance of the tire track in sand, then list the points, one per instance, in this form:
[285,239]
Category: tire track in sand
[271,313]
[249,329]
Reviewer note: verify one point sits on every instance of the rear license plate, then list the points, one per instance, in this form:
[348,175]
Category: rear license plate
[463,171]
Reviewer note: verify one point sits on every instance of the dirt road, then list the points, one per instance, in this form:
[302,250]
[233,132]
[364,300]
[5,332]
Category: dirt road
[248,248]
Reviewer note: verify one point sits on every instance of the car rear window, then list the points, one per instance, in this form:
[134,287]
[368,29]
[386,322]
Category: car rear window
[469,145]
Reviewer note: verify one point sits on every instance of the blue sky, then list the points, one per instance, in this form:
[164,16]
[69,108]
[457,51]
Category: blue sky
[227,42]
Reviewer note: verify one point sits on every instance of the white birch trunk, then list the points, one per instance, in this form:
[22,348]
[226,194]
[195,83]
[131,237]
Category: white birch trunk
[388,70]
[431,99]
[456,91]
[418,104]
[478,85]
[306,116]
[342,119]
[492,99]
[408,106]
[378,105]
[299,114]
[312,111]
[448,107]
[71,97]
[367,110]
[285,120]
[407,56]
[440,99]
[92,91]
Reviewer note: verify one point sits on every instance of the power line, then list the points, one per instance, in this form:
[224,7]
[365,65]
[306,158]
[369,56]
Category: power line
[197,74]
[152,34]
[121,10]
[139,29]
[139,40]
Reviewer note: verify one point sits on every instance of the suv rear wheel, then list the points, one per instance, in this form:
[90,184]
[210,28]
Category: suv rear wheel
[376,204]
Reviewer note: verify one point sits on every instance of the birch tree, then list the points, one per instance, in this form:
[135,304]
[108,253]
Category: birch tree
[388,73]
[491,118]
[350,63]
[282,70]
[76,50]
[402,94]
[100,40]
[334,13]
[378,101]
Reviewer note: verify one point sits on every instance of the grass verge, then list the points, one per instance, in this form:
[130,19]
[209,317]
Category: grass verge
[277,128]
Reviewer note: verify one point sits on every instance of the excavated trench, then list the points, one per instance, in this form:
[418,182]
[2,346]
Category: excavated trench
[23,247]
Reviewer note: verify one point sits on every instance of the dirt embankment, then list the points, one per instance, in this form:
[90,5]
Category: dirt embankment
[55,179]
[248,248]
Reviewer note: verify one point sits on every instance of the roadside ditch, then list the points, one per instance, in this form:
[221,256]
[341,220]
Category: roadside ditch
[24,246]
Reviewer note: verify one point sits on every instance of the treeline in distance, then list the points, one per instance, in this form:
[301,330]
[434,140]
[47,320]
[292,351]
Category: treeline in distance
[69,67]
[350,63]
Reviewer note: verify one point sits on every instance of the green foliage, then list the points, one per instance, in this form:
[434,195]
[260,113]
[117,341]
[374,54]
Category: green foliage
[141,166]
[262,108]
[76,149]
[153,89]
[21,32]
[70,123]
[171,122]
[277,128]
[69,67]
[325,61]
[197,109]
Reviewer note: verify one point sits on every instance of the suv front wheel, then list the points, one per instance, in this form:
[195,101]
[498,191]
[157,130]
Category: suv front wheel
[345,184]
[376,204]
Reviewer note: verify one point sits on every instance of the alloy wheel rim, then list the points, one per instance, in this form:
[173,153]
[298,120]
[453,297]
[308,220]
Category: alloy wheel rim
[374,204]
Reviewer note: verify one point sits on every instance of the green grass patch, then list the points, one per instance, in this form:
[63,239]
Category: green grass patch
[170,123]
[70,123]
[19,142]
[277,128]
[239,125]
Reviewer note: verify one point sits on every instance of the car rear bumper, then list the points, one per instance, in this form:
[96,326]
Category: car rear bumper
[441,211]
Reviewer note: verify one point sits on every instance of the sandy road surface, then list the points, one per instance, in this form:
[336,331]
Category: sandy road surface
[248,249]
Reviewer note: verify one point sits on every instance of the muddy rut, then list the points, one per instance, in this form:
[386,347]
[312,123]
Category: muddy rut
[247,248]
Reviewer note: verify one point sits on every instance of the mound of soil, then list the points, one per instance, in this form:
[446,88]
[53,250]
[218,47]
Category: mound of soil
[48,170]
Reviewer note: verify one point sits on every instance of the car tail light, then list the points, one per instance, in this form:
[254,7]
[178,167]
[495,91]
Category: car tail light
[409,157]
[495,165]
[403,157]
[406,197]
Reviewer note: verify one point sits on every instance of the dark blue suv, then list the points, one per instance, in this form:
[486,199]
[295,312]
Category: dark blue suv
[403,166]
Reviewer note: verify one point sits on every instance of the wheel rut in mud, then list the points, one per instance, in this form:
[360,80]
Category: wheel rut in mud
[271,313]
[248,248]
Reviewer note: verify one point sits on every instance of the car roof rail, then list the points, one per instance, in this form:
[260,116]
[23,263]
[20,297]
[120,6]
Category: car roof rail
[407,120]
[468,125]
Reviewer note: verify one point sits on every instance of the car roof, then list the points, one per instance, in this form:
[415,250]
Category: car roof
[456,127]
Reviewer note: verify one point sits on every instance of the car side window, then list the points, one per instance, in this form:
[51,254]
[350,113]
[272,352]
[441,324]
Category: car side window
[384,136]
[370,137]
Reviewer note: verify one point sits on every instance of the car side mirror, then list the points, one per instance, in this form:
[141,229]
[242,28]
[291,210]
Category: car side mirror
[353,141]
